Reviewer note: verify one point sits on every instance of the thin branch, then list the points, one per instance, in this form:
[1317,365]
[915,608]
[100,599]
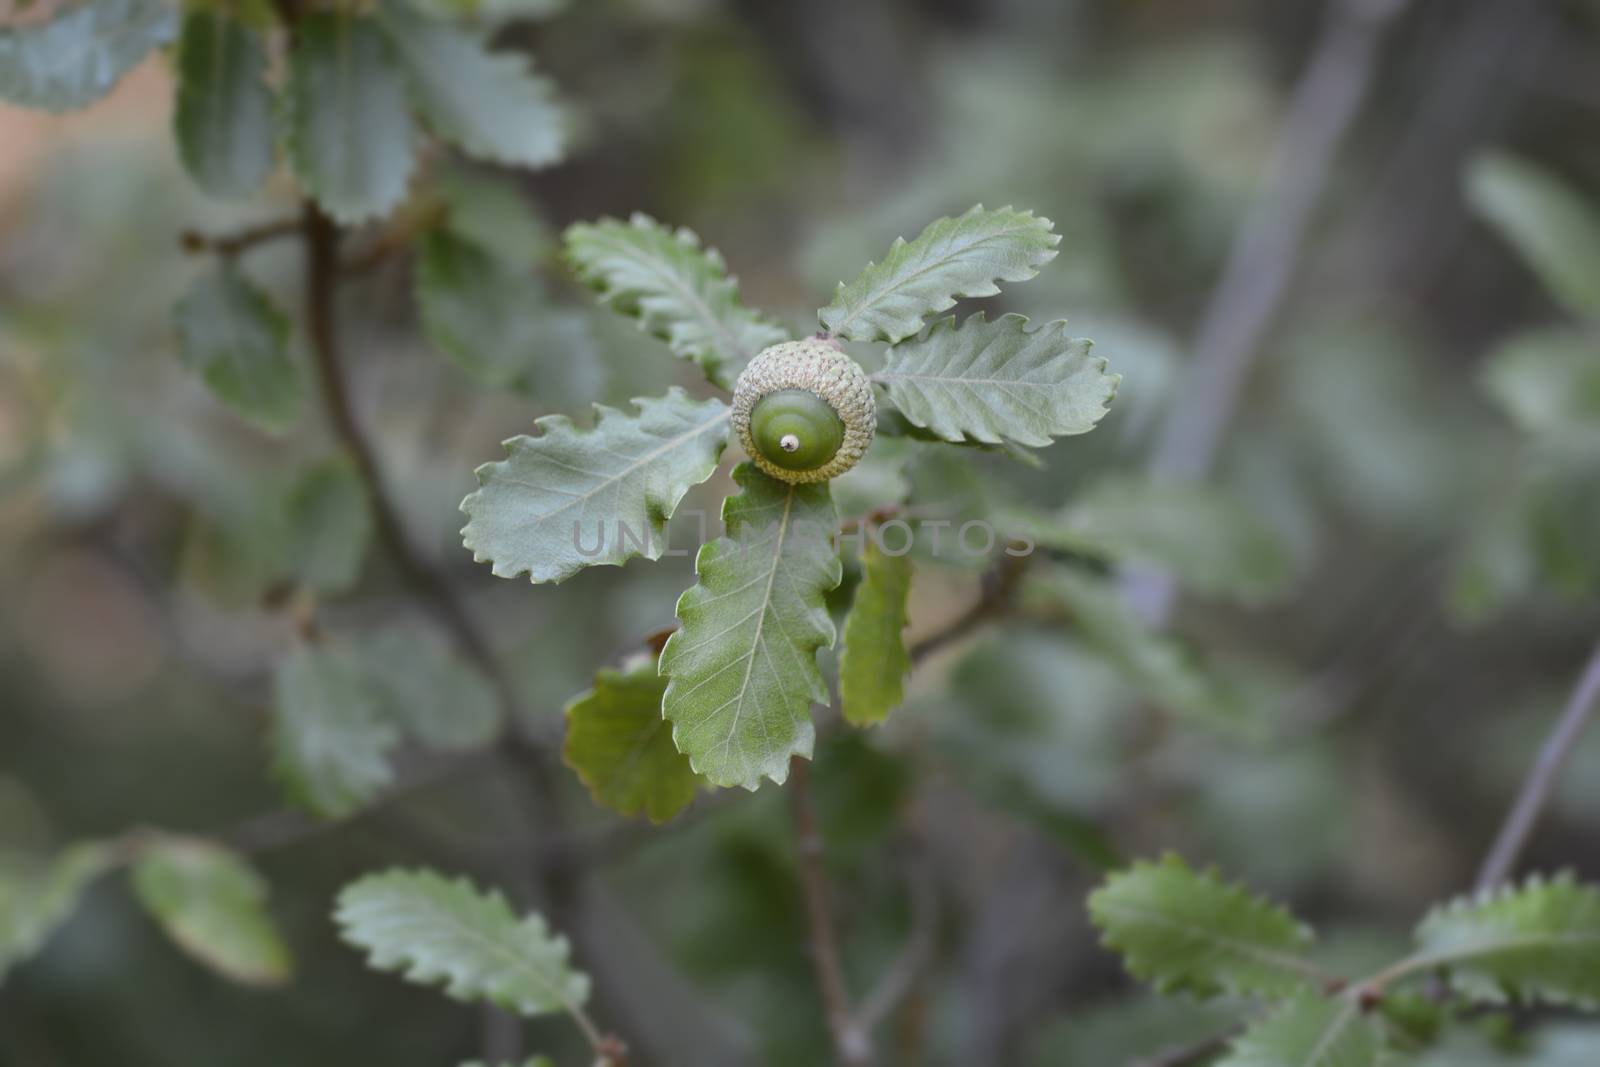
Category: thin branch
[1193,1053]
[850,1042]
[896,983]
[1264,256]
[999,589]
[231,244]
[1542,777]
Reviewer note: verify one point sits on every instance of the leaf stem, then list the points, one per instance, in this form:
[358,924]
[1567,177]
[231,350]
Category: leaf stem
[1542,777]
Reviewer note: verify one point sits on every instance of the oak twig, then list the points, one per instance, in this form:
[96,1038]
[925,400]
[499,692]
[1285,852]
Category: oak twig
[232,244]
[1542,777]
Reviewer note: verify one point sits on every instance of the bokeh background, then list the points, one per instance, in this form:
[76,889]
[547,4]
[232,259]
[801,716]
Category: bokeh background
[1445,568]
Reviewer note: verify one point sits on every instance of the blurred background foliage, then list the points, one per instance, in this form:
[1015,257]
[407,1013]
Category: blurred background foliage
[1419,441]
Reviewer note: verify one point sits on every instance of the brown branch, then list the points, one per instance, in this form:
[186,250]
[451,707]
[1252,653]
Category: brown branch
[850,1042]
[1261,264]
[231,244]
[1193,1053]
[1543,777]
[896,983]
[999,589]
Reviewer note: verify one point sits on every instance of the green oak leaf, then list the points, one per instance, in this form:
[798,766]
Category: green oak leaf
[212,904]
[349,130]
[1188,931]
[1548,383]
[329,525]
[224,121]
[1538,941]
[236,340]
[622,748]
[491,212]
[427,690]
[952,258]
[79,55]
[434,929]
[36,899]
[677,290]
[1556,230]
[874,663]
[1206,538]
[573,498]
[330,741]
[743,665]
[490,104]
[1310,1031]
[998,381]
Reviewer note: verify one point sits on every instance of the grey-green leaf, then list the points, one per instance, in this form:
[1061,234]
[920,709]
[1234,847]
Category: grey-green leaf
[1310,1031]
[743,664]
[349,128]
[330,741]
[952,258]
[231,335]
[573,498]
[224,117]
[1536,941]
[1548,383]
[213,906]
[38,898]
[874,663]
[490,104]
[427,690]
[491,319]
[1208,540]
[329,526]
[433,929]
[621,747]
[998,381]
[77,57]
[1555,229]
[1188,931]
[677,290]
[489,10]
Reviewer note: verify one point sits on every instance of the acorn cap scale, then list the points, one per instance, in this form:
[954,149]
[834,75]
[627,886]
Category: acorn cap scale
[804,411]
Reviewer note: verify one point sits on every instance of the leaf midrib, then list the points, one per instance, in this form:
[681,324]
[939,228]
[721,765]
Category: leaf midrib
[1274,958]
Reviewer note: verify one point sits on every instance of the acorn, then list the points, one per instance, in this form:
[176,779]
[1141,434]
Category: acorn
[804,411]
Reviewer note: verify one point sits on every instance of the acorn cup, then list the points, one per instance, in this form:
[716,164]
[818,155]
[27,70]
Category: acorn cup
[804,411]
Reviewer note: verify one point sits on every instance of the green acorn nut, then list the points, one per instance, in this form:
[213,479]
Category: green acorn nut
[804,411]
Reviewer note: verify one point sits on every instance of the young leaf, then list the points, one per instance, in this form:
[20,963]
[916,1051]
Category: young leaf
[677,290]
[349,131]
[1555,229]
[36,900]
[1207,539]
[231,335]
[434,929]
[574,498]
[874,663]
[1192,932]
[622,748]
[744,663]
[427,690]
[1537,941]
[489,104]
[224,117]
[1158,666]
[1310,1031]
[330,742]
[212,904]
[952,258]
[997,381]
[75,58]
[329,526]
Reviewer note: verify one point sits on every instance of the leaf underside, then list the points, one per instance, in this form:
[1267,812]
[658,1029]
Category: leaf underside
[330,741]
[953,257]
[77,57]
[36,900]
[432,929]
[572,498]
[1547,221]
[231,335]
[998,381]
[1188,931]
[743,665]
